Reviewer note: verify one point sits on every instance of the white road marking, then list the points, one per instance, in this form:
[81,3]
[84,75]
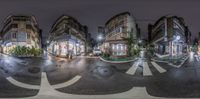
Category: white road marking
[68,83]
[160,69]
[47,91]
[133,68]
[21,84]
[197,59]
[146,69]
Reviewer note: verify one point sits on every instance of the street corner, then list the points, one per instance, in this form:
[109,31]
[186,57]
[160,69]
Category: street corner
[97,79]
[11,88]
[95,49]
[99,84]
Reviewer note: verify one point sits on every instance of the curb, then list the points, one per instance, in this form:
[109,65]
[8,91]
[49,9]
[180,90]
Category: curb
[176,66]
[21,56]
[116,62]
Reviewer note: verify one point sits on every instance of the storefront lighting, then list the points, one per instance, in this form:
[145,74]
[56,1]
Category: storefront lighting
[9,44]
[77,44]
[140,41]
[117,46]
[100,37]
[178,38]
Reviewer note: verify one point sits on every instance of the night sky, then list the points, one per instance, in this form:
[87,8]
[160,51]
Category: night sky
[95,13]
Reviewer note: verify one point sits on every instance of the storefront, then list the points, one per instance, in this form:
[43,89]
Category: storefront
[7,47]
[177,48]
[119,49]
[114,48]
[70,46]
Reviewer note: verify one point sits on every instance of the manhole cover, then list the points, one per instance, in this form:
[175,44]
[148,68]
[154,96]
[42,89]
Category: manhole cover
[34,70]
[24,62]
[102,71]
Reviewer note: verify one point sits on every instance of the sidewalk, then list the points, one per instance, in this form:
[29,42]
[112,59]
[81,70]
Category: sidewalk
[59,57]
[175,61]
[114,61]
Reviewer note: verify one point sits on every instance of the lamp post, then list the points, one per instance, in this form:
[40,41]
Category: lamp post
[100,38]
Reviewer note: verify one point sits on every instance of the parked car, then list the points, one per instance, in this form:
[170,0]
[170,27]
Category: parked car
[96,52]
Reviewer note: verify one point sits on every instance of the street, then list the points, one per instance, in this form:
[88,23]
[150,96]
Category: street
[84,75]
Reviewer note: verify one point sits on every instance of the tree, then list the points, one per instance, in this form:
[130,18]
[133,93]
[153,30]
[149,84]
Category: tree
[130,41]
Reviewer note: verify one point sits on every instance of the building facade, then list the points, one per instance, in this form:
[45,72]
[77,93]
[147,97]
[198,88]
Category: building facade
[116,28]
[170,36]
[1,46]
[100,34]
[197,43]
[67,37]
[20,31]
[89,43]
[100,37]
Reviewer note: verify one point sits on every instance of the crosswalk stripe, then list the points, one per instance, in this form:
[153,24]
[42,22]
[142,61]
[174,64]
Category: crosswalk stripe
[197,58]
[146,69]
[160,69]
[133,68]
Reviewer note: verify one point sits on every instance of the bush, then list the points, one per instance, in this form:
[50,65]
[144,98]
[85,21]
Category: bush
[25,51]
[136,51]
[105,55]
[151,49]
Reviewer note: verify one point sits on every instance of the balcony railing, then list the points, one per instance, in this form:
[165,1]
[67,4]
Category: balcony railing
[116,30]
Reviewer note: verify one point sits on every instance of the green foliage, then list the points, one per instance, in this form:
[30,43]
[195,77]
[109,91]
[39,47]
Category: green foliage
[105,55]
[151,49]
[135,51]
[130,41]
[25,51]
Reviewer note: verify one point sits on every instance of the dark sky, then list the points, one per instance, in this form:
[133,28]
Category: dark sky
[96,12]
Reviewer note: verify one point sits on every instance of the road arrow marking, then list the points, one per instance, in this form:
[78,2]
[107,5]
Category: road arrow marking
[21,84]
[47,91]
[159,68]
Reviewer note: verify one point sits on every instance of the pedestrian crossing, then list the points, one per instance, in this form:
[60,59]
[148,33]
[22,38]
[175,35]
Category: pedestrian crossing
[160,69]
[197,58]
[146,69]
[133,68]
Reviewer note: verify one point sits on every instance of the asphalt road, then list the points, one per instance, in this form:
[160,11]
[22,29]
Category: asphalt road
[98,77]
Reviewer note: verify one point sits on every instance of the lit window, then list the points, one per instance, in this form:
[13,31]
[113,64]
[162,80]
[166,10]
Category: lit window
[14,35]
[28,36]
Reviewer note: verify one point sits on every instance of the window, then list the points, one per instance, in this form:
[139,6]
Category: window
[121,22]
[14,35]
[28,35]
[28,27]
[14,26]
[21,36]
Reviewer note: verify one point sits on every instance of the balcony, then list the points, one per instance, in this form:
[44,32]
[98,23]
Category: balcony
[115,31]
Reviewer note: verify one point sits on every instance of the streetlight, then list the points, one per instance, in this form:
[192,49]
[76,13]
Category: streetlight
[47,41]
[140,41]
[178,38]
[100,37]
